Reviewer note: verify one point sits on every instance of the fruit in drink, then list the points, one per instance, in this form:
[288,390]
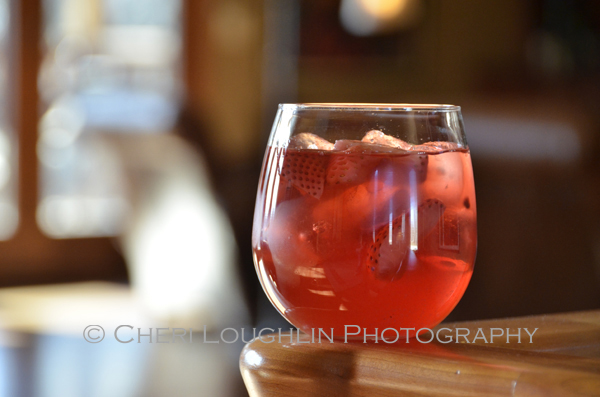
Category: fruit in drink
[375,234]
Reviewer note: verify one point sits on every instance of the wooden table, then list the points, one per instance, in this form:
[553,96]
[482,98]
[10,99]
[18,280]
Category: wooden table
[562,360]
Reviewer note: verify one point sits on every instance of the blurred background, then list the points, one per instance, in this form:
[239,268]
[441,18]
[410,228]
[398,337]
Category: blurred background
[132,134]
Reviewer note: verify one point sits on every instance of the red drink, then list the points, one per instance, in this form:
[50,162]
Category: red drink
[365,235]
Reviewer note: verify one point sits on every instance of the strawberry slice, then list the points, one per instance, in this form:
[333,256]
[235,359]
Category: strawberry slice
[305,170]
[350,168]
[354,164]
[389,254]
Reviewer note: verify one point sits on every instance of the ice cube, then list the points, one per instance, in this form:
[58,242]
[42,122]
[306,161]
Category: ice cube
[345,144]
[430,212]
[363,207]
[385,206]
[365,147]
[345,211]
[445,178]
[290,237]
[379,138]
[435,147]
[306,140]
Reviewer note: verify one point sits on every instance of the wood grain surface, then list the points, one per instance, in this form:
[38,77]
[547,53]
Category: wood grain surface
[562,358]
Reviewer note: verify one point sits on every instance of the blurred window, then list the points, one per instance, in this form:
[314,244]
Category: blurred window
[109,68]
[8,139]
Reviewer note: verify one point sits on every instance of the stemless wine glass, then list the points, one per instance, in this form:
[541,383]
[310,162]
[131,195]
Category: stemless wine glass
[365,217]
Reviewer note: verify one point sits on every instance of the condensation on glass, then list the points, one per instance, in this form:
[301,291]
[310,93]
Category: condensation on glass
[111,69]
[8,139]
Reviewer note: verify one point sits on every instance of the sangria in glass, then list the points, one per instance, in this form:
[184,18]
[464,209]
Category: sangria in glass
[365,216]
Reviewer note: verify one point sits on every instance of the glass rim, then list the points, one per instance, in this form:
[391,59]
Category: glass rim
[349,106]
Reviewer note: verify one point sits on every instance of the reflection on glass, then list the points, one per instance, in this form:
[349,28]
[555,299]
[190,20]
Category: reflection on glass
[110,68]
